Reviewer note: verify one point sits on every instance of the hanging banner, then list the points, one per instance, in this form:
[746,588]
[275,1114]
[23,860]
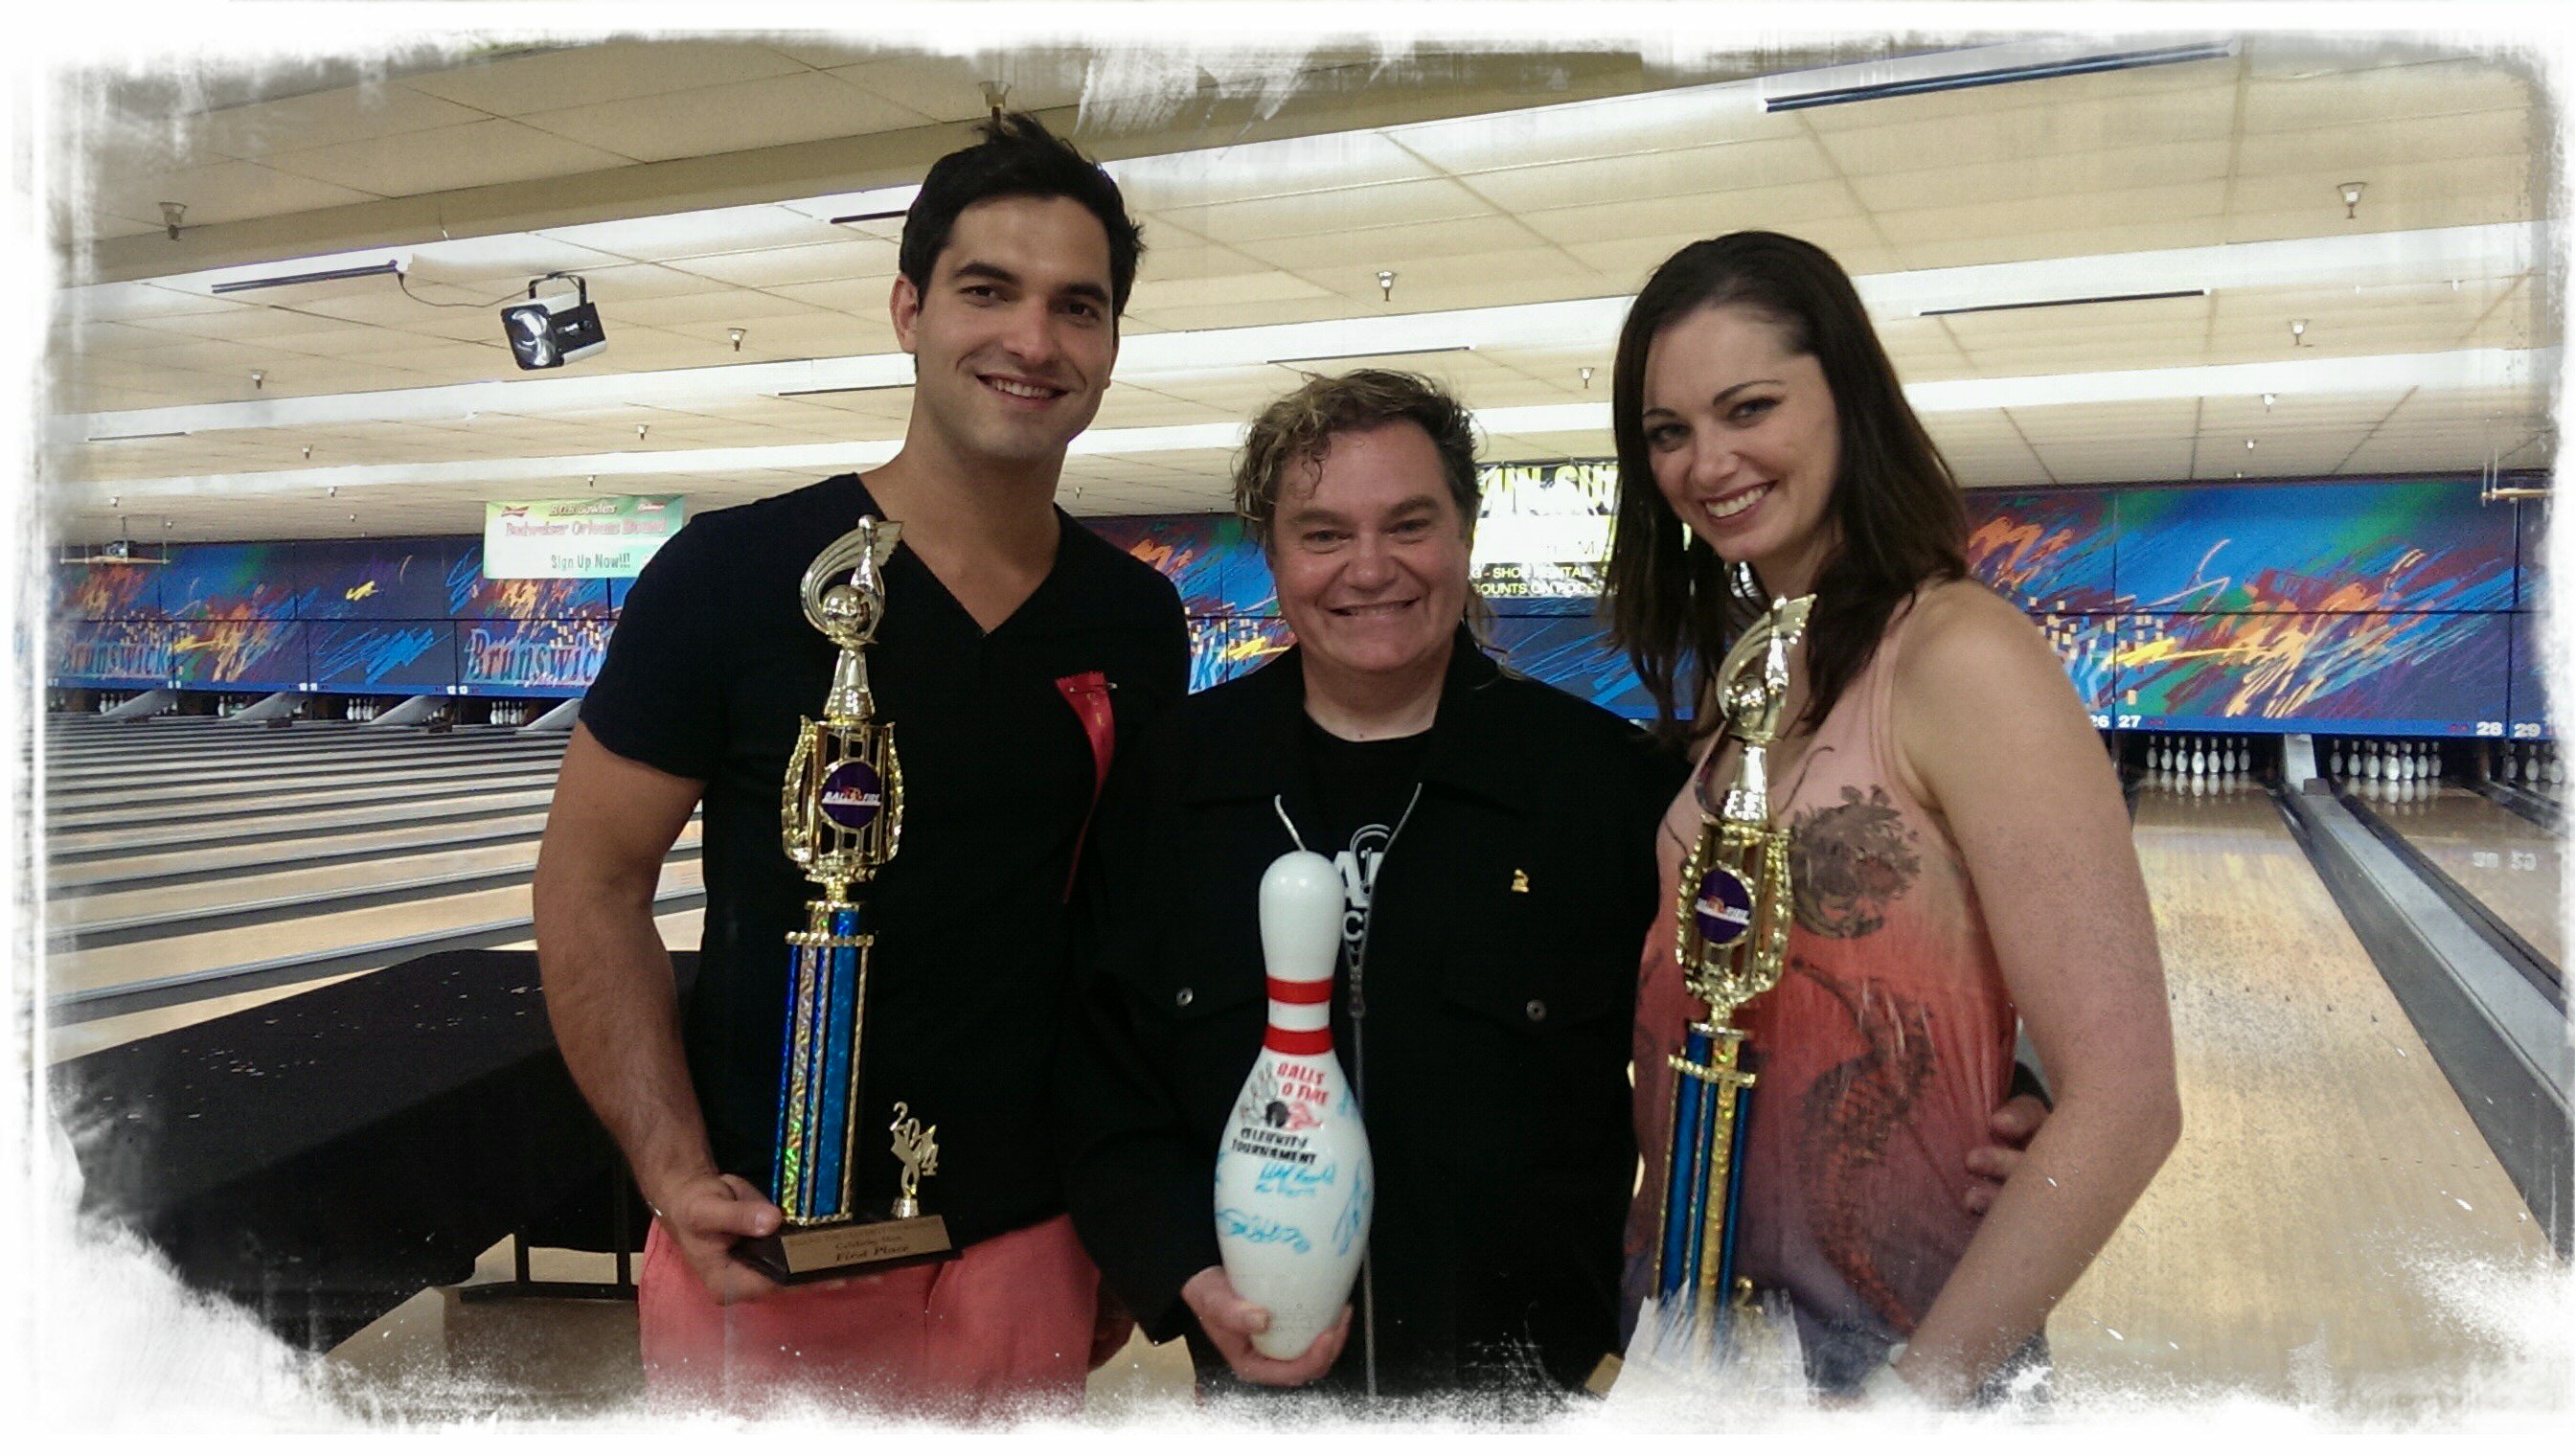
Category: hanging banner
[603,536]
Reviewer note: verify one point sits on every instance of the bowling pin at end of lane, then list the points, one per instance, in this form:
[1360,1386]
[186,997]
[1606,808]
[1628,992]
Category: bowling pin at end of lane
[1295,1185]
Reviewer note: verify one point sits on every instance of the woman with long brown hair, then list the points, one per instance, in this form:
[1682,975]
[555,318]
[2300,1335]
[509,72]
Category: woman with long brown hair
[1960,853]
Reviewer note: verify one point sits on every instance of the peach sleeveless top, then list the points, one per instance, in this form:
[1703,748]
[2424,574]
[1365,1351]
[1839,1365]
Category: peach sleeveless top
[1881,1052]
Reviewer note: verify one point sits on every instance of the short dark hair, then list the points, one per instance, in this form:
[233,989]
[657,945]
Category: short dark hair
[1898,507]
[1018,157]
[1300,425]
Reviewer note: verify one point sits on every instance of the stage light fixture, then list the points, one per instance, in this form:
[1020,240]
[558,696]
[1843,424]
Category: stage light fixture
[555,330]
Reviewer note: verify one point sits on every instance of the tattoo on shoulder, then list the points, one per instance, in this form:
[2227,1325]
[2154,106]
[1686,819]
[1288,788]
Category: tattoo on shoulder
[1849,862]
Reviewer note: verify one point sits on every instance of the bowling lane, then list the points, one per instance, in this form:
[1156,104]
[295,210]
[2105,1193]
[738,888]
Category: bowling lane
[282,751]
[232,830]
[147,960]
[2329,1187]
[140,808]
[62,1042]
[2510,865]
[285,853]
[71,912]
[170,791]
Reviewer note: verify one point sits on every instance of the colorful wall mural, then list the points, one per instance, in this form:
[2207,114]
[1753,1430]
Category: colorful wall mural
[375,581]
[404,614]
[2044,551]
[2348,607]
[416,656]
[2385,606]
[2419,546]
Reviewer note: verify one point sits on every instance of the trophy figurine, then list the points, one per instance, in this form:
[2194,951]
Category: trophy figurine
[840,816]
[1732,930]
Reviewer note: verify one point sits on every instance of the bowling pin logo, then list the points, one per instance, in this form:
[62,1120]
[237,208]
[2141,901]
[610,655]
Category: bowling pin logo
[1294,1181]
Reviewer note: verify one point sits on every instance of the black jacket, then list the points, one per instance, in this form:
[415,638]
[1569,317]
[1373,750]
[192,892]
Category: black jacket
[1509,915]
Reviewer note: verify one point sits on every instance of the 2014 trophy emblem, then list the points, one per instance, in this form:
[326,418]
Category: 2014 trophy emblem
[1723,908]
[853,794]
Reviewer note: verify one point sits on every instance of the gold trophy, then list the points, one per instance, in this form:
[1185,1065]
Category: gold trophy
[1734,923]
[842,819]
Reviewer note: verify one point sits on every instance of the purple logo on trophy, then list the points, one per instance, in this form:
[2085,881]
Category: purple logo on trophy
[853,796]
[1723,908]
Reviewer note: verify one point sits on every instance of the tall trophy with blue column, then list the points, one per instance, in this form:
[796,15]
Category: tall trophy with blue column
[840,818]
[1732,932]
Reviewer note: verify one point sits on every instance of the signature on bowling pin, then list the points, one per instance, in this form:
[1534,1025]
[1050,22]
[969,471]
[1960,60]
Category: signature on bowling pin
[1252,1229]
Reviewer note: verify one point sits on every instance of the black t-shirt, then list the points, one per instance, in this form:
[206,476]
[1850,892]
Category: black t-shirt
[711,667]
[1363,790]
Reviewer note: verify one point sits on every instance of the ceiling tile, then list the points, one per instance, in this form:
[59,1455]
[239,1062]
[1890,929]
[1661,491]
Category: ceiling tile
[2064,175]
[1695,215]
[478,154]
[942,88]
[1174,180]
[228,192]
[2350,148]
[703,231]
[1608,127]
[591,74]
[1347,208]
[2003,135]
[1392,247]
[813,263]
[328,118]
[474,263]
[808,106]
[1246,288]
[1736,167]
[2431,89]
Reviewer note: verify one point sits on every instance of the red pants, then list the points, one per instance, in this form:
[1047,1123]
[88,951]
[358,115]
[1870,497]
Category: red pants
[1004,1329]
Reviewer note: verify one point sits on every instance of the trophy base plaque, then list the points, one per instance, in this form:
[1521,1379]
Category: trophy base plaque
[847,1249]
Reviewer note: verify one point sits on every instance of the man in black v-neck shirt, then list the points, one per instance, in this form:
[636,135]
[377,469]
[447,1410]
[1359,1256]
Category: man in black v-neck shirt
[1008,630]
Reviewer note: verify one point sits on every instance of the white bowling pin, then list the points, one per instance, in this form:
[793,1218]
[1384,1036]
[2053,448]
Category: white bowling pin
[2198,760]
[1294,1183]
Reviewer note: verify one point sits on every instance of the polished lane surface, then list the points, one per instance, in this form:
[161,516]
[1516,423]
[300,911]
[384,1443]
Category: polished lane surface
[311,935]
[2513,866]
[133,836]
[2324,1228]
[201,862]
[76,911]
[679,928]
